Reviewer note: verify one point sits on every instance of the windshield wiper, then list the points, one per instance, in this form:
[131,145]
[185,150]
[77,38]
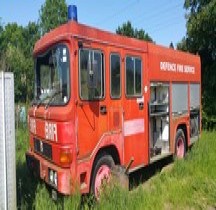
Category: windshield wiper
[52,97]
[42,100]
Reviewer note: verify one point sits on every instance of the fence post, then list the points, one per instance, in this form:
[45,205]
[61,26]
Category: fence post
[7,143]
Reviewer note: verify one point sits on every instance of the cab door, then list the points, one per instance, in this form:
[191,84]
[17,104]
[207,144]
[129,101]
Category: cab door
[135,110]
[91,119]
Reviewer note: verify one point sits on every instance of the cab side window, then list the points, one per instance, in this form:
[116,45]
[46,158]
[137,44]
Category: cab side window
[133,76]
[115,76]
[91,68]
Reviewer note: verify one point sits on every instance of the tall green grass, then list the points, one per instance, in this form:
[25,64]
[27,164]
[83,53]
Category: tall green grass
[190,183]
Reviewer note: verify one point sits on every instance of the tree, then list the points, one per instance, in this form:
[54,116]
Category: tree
[171,45]
[12,34]
[16,63]
[1,25]
[12,57]
[52,14]
[127,30]
[201,39]
[182,45]
[31,35]
[16,49]
[1,40]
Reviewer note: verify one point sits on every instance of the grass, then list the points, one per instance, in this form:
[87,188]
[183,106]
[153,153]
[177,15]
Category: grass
[190,184]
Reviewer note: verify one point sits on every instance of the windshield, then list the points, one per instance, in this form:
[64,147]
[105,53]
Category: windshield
[52,76]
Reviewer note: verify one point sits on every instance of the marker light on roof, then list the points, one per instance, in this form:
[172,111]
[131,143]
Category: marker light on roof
[72,12]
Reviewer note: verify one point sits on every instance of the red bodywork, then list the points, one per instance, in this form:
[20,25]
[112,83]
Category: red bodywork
[81,130]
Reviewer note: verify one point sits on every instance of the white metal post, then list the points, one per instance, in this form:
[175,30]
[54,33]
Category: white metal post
[7,143]
[4,144]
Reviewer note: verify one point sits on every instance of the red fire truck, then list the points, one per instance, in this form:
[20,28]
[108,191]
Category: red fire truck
[103,99]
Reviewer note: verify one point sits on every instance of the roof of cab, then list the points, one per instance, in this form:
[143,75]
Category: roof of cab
[74,29]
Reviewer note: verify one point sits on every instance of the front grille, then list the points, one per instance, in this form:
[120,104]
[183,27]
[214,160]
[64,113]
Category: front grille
[43,148]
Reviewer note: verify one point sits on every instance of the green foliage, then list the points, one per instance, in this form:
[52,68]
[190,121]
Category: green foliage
[1,30]
[201,39]
[12,57]
[52,14]
[16,63]
[31,35]
[189,184]
[12,34]
[16,56]
[182,45]
[127,30]
[196,5]
[1,25]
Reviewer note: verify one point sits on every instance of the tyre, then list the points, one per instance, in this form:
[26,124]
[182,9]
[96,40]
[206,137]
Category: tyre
[101,173]
[180,146]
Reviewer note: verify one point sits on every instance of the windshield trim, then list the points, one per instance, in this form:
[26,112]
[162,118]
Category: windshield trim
[46,51]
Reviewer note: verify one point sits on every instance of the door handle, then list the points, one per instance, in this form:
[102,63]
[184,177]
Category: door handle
[103,109]
[141,105]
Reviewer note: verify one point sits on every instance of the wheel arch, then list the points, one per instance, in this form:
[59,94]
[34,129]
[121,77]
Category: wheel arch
[109,150]
[183,127]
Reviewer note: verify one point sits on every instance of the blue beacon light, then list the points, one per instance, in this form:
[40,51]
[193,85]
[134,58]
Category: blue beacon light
[72,13]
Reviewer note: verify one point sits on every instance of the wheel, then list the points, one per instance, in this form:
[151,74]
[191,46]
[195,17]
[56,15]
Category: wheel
[180,148]
[101,173]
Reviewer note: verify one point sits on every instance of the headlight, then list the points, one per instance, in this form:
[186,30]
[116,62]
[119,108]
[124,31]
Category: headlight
[53,177]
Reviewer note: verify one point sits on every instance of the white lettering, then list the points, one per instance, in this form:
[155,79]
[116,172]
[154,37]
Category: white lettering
[167,66]
[173,67]
[180,68]
[51,131]
[189,69]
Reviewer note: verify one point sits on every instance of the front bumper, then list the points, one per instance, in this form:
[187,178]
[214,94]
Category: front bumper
[41,168]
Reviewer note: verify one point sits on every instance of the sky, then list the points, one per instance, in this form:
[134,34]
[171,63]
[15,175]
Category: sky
[163,20]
